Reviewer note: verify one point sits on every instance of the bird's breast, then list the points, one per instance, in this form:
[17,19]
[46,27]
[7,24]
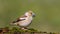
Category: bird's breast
[26,22]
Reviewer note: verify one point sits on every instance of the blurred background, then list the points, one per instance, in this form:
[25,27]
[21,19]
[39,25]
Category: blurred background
[47,13]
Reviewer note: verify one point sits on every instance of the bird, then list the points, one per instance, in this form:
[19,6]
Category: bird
[25,20]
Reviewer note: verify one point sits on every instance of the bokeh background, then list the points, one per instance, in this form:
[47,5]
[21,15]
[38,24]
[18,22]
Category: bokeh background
[47,13]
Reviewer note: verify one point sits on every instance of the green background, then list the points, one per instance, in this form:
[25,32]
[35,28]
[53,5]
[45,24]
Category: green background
[47,13]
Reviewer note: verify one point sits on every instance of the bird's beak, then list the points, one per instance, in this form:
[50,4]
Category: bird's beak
[33,15]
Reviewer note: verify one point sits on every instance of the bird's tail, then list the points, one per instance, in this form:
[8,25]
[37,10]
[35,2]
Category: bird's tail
[12,23]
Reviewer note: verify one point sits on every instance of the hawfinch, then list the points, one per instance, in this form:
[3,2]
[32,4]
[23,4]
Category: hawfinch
[24,20]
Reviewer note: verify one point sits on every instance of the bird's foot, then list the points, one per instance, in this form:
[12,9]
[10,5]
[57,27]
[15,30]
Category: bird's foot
[24,28]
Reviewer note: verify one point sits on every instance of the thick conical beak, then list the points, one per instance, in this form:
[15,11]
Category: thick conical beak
[33,15]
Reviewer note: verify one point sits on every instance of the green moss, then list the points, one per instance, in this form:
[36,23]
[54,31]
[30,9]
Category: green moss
[20,30]
[16,30]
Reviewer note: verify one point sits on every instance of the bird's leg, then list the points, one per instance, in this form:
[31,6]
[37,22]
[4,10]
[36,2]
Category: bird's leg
[24,28]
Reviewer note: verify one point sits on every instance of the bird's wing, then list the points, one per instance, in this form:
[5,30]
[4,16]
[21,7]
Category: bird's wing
[20,19]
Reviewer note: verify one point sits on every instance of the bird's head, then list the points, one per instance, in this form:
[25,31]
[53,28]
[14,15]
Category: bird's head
[30,13]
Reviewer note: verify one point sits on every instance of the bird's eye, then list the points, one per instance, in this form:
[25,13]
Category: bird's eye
[31,13]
